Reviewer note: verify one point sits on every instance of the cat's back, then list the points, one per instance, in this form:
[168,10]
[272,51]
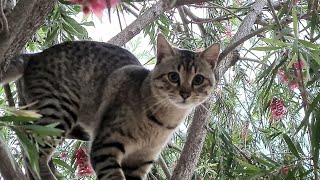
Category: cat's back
[76,55]
[78,61]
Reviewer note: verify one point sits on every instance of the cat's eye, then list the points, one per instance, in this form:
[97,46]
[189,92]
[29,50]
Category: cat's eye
[197,80]
[173,77]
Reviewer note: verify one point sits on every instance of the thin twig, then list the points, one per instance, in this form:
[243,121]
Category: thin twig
[252,60]
[231,47]
[274,14]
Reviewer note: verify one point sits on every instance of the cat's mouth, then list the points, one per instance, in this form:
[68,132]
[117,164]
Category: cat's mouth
[185,103]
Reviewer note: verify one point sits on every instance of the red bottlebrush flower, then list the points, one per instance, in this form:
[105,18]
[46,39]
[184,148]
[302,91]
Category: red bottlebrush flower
[84,167]
[95,6]
[298,65]
[277,108]
[285,170]
[295,74]
[293,85]
[229,33]
[284,78]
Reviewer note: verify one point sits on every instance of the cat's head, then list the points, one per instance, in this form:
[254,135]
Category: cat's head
[184,78]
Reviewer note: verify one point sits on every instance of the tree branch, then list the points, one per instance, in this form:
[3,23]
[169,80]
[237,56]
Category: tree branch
[146,18]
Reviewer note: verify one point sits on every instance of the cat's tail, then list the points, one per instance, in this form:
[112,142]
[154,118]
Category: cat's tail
[15,69]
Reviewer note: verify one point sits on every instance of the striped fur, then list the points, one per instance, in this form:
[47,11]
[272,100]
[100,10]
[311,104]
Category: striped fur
[101,93]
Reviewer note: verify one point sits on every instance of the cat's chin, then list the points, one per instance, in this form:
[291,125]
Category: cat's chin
[184,105]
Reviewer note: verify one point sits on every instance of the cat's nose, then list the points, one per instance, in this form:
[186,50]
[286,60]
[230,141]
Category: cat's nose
[184,95]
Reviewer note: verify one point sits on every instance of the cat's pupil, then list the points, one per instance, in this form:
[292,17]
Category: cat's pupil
[173,77]
[198,79]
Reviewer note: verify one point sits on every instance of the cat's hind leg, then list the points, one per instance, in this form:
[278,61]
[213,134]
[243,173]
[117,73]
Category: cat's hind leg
[106,157]
[138,171]
[54,109]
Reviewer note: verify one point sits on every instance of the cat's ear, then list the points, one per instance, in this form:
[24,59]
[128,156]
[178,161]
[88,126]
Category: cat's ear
[164,48]
[211,54]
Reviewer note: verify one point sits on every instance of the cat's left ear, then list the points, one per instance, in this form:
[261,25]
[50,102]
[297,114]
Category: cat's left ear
[211,54]
[164,48]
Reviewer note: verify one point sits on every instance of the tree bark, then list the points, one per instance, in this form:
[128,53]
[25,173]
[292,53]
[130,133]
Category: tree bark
[197,131]
[24,20]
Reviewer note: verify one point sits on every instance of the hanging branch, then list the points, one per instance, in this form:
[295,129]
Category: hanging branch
[7,91]
[3,20]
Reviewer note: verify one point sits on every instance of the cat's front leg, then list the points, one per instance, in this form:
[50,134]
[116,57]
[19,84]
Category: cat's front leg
[106,157]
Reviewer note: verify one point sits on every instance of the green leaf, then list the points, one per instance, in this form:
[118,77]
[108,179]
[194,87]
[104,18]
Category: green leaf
[30,150]
[308,44]
[89,23]
[295,21]
[81,32]
[276,42]
[311,108]
[291,145]
[266,48]
[52,35]
[62,163]
[264,162]
[18,119]
[43,130]
[249,166]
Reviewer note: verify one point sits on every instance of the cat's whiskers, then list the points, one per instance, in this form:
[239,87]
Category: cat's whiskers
[156,107]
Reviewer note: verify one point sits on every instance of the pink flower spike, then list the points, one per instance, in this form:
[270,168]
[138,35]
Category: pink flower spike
[84,167]
[298,65]
[244,134]
[293,86]
[229,33]
[277,108]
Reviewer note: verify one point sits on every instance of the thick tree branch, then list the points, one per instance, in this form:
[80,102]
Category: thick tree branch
[23,20]
[198,129]
[146,18]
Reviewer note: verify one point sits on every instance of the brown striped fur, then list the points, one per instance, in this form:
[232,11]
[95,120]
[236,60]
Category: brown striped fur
[101,93]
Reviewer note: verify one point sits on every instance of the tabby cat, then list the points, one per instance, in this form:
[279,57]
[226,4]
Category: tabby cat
[101,93]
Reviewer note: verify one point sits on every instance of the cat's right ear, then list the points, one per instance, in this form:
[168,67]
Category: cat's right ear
[164,48]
